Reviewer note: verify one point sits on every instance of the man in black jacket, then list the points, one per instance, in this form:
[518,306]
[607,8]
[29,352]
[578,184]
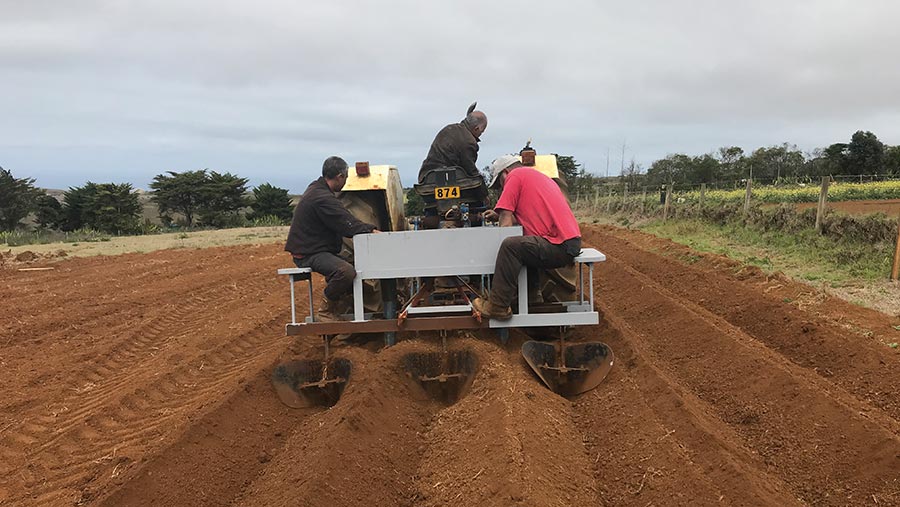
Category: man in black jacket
[320,223]
[457,145]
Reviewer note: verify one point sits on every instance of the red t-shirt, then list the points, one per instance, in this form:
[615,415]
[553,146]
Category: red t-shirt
[538,205]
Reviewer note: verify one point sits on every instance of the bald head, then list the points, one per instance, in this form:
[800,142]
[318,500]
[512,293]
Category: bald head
[477,123]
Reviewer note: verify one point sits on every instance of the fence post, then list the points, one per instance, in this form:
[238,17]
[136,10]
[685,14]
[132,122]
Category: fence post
[624,195]
[747,195]
[596,198]
[608,200]
[643,198]
[668,202]
[702,193]
[823,200]
[895,271]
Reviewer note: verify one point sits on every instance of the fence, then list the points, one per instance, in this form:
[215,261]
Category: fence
[672,200]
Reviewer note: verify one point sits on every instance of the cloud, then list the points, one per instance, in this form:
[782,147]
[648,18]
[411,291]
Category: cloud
[96,89]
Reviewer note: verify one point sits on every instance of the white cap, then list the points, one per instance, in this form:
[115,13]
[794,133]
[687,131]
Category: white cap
[499,164]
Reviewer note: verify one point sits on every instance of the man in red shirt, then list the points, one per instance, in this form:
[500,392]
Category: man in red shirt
[552,238]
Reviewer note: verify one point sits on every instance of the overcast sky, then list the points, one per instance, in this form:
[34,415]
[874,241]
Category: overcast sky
[120,91]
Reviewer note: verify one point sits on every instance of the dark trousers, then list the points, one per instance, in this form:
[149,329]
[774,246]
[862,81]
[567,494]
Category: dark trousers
[533,252]
[339,274]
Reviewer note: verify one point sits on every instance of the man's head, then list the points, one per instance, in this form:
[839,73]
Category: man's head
[335,172]
[476,121]
[500,167]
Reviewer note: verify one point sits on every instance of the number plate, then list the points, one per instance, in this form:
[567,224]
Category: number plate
[446,193]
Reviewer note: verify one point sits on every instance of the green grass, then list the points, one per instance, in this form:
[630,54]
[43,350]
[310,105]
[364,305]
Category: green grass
[43,237]
[804,255]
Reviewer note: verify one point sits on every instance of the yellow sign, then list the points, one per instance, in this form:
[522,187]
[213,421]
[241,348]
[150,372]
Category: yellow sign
[446,193]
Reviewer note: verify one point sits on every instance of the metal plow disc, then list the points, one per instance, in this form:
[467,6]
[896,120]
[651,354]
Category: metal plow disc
[445,377]
[584,365]
[307,383]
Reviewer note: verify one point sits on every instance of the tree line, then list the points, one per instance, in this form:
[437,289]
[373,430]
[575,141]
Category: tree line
[864,154]
[192,198]
[212,199]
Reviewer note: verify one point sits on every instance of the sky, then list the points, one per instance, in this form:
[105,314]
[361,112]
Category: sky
[119,91]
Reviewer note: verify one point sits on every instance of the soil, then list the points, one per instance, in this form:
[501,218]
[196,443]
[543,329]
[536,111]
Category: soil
[143,379]
[890,207]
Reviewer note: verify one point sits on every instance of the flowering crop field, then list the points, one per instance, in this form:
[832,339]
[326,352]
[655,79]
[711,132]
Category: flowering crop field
[809,193]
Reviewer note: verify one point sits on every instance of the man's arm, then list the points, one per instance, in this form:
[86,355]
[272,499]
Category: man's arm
[506,218]
[468,158]
[333,214]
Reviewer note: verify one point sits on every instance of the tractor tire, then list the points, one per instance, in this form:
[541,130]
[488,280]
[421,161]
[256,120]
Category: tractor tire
[560,284]
[359,204]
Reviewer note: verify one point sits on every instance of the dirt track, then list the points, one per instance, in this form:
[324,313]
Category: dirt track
[890,207]
[143,380]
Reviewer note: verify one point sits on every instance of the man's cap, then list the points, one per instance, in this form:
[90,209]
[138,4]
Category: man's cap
[499,164]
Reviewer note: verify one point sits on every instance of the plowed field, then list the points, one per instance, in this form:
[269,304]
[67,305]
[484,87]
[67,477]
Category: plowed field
[143,379]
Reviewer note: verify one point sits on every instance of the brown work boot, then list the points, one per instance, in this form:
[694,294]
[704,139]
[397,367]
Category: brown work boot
[327,310]
[488,309]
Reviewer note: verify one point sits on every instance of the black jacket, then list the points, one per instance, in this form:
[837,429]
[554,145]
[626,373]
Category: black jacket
[454,145]
[321,221]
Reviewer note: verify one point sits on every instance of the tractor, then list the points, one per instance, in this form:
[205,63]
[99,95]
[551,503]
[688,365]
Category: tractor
[398,288]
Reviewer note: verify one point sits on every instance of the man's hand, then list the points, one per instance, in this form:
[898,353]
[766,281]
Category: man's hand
[376,231]
[491,216]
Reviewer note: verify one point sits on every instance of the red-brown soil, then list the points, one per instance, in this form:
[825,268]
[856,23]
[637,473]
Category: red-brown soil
[144,380]
[890,207]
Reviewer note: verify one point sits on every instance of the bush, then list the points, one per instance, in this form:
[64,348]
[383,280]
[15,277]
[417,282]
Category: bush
[266,221]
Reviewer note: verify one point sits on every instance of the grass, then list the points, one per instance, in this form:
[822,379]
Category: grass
[805,255]
[853,271]
[45,237]
[106,245]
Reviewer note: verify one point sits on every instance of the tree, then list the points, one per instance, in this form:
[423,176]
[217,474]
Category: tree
[672,169]
[114,208]
[48,212]
[835,159]
[222,197]
[180,193]
[414,206]
[777,162]
[568,167]
[272,201]
[76,206]
[17,199]
[632,175]
[865,153]
[702,169]
[577,179]
[732,162]
[106,207]
[892,160]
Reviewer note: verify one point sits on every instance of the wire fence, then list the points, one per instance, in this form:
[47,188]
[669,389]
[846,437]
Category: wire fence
[782,190]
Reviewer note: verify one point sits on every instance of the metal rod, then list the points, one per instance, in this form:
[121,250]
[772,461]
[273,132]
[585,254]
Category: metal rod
[562,347]
[523,291]
[312,314]
[580,284]
[467,286]
[327,340]
[293,310]
[591,281]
